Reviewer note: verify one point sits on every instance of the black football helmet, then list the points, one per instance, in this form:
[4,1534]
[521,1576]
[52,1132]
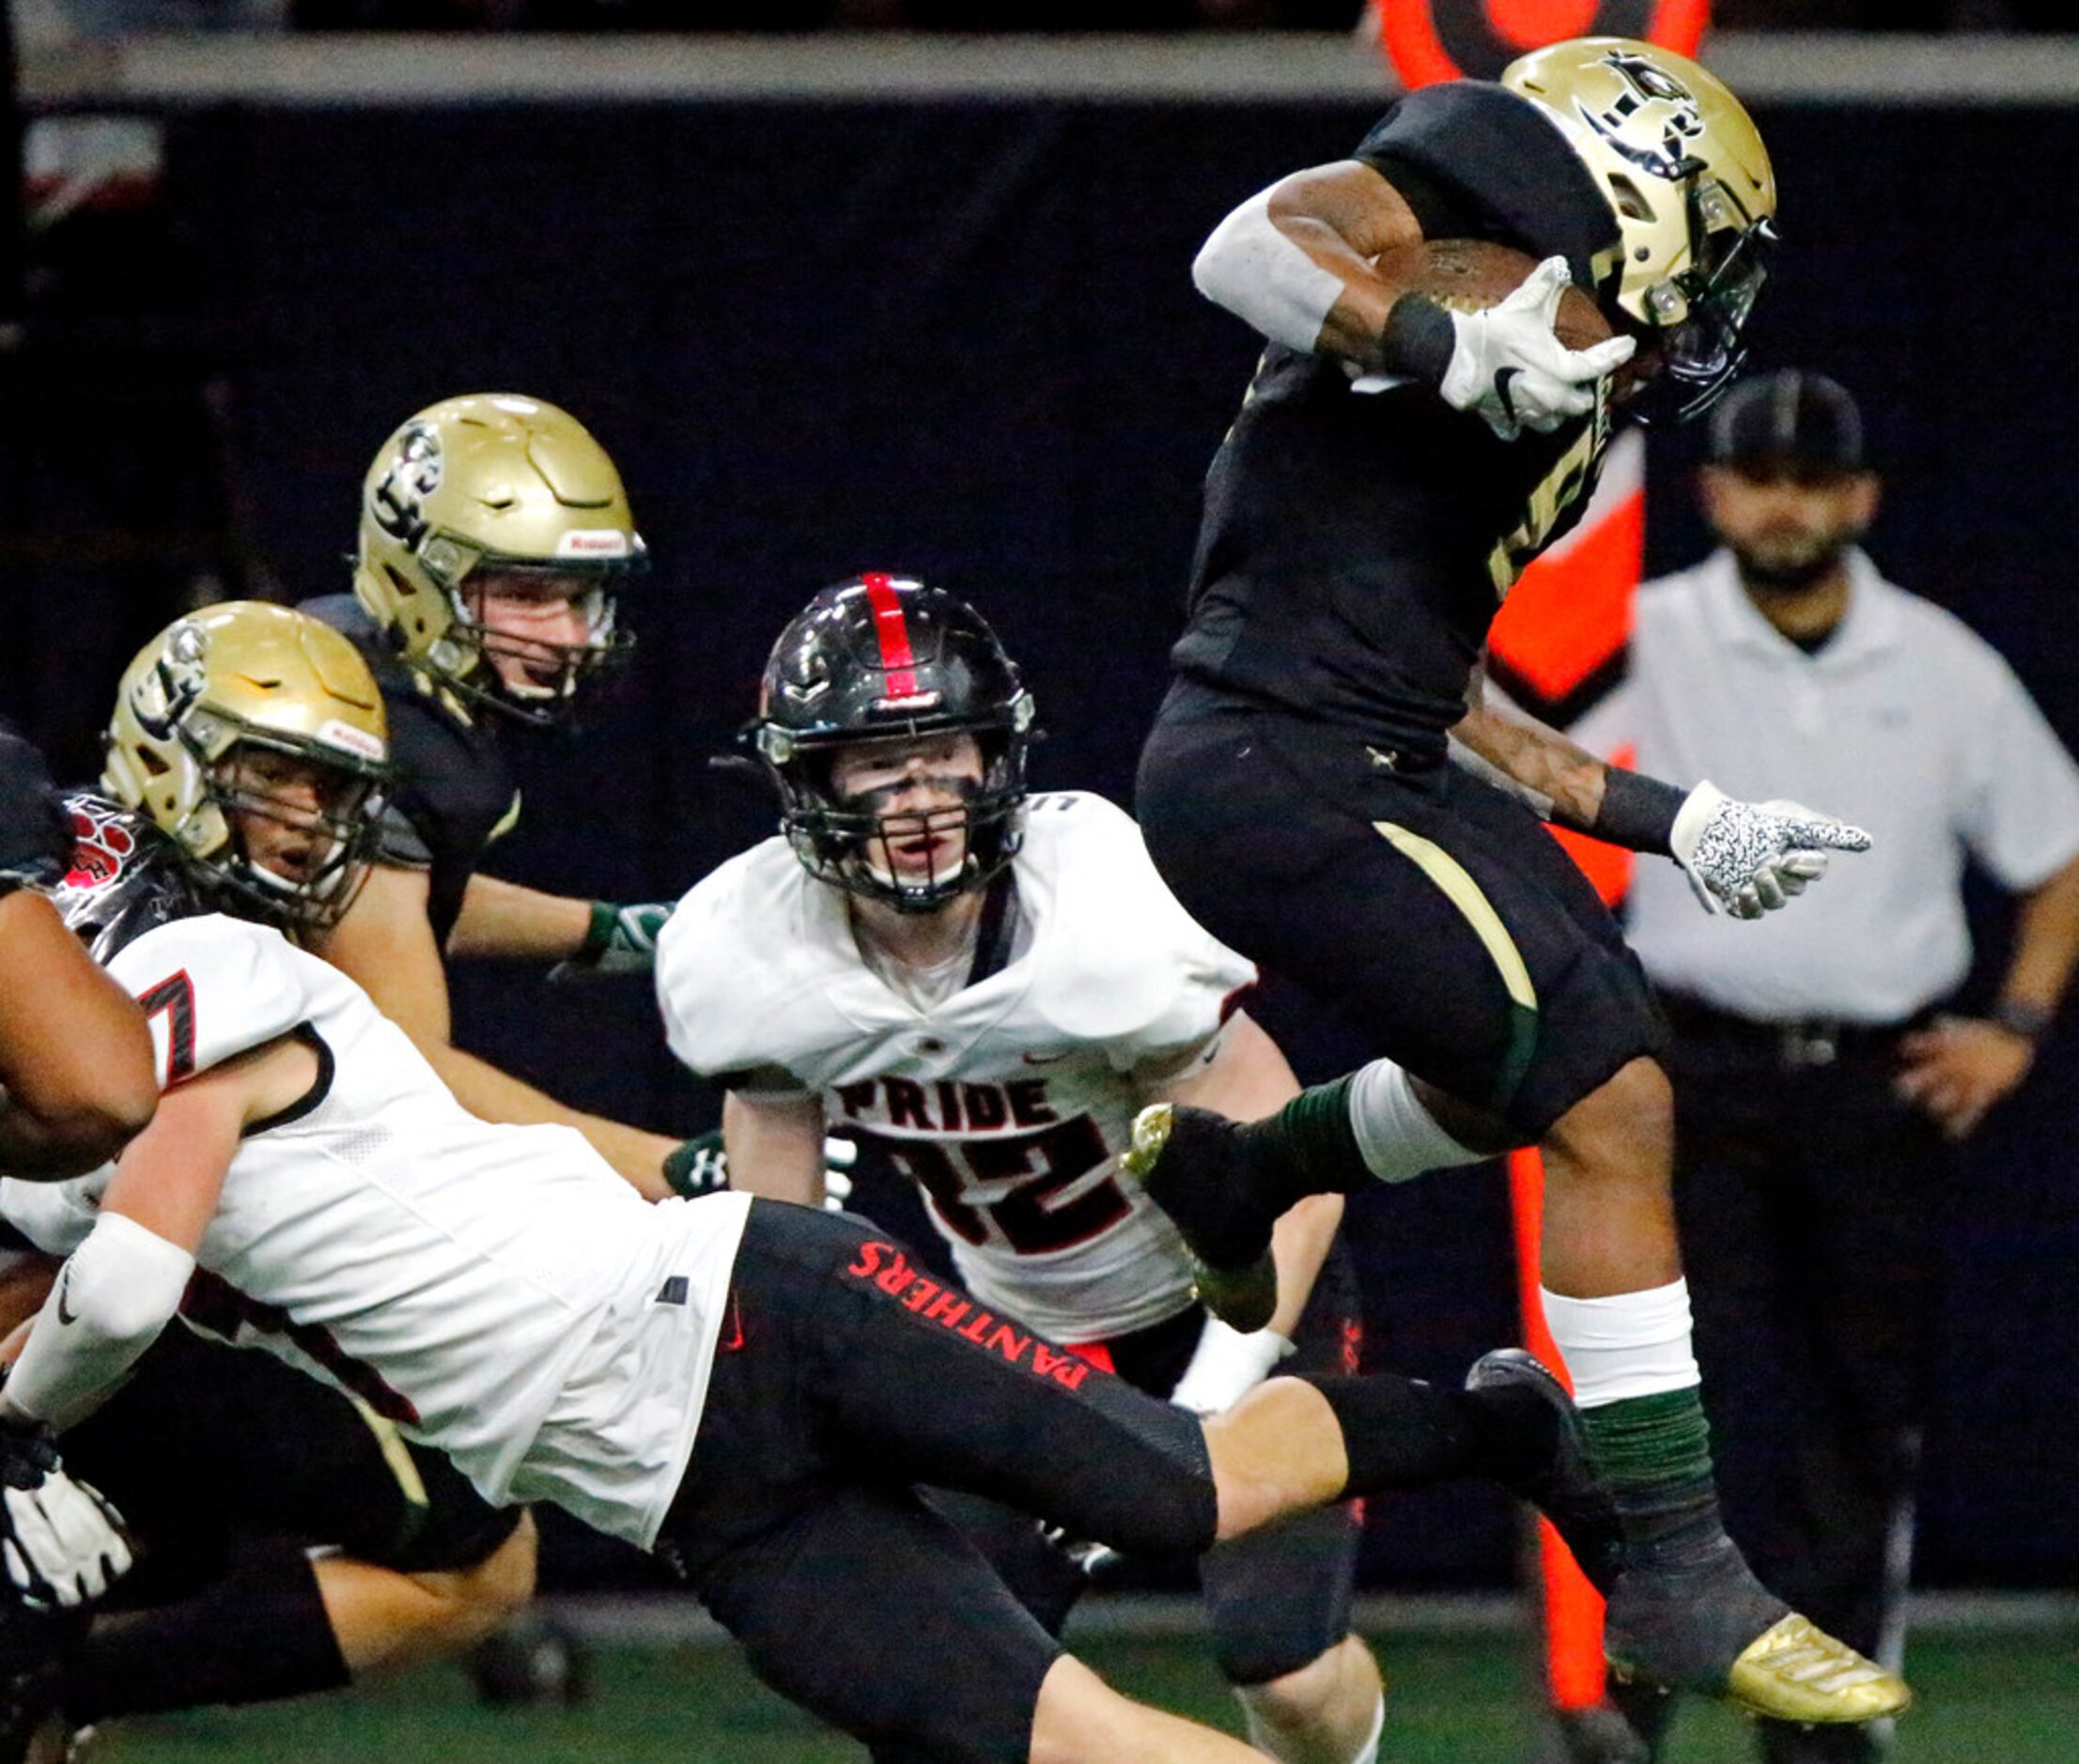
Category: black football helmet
[887,657]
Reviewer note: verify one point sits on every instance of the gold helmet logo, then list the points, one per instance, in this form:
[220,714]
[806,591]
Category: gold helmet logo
[1688,182]
[254,736]
[475,490]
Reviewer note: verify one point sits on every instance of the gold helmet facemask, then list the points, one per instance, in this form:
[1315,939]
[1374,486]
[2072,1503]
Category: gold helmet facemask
[496,483]
[246,713]
[1687,176]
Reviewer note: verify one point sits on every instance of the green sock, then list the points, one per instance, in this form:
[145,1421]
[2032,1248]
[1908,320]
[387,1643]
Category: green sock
[1654,1454]
[1307,1147]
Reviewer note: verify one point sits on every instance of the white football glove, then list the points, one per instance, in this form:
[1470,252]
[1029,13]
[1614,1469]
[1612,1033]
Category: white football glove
[1749,858]
[61,1542]
[1226,1365]
[1511,370]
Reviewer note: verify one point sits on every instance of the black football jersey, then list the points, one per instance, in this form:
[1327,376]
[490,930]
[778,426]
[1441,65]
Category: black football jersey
[36,839]
[1357,542]
[454,793]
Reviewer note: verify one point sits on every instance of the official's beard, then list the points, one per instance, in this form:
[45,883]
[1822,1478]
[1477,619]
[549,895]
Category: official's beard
[1791,565]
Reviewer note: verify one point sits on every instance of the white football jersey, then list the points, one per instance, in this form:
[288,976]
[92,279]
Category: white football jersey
[1009,1102]
[496,1291]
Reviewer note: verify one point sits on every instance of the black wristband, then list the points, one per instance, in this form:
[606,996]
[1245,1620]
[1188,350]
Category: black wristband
[1637,812]
[2031,1022]
[1418,340]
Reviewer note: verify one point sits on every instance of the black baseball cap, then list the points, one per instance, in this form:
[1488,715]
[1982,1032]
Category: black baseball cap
[1791,417]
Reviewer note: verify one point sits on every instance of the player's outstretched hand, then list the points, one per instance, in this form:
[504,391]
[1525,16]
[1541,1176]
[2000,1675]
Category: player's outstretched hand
[61,1542]
[1750,857]
[1509,368]
[621,941]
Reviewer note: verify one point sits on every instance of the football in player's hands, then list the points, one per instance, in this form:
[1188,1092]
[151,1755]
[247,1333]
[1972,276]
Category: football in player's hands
[1469,275]
[1527,347]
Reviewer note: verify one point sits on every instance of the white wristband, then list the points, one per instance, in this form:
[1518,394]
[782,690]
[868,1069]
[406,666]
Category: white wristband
[1225,1365]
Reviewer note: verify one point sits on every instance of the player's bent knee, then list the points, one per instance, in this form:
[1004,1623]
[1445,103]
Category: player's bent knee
[1279,1450]
[481,1600]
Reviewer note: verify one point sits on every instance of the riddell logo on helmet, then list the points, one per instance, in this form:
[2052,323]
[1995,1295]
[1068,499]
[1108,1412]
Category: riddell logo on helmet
[911,700]
[349,739]
[593,542]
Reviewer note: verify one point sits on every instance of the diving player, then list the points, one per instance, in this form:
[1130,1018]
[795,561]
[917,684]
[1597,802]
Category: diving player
[213,803]
[748,1388]
[986,987]
[1393,469]
[495,537]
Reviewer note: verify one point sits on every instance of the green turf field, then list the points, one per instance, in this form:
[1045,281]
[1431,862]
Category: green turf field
[1988,1699]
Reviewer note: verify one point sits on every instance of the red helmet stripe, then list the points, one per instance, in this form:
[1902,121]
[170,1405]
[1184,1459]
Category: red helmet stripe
[897,660]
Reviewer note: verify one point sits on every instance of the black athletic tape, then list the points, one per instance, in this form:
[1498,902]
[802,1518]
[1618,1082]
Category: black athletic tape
[1637,812]
[1418,340]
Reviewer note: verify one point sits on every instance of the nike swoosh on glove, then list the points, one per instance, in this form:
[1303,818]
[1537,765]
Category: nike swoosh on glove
[1750,857]
[1507,368]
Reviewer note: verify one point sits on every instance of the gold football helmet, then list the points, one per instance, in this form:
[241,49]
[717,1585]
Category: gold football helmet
[494,482]
[250,733]
[1683,169]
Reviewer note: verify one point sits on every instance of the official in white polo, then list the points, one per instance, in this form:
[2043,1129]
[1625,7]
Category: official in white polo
[1819,1064]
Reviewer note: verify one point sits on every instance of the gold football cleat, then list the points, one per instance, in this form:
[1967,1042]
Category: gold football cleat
[1794,1671]
[1244,1298]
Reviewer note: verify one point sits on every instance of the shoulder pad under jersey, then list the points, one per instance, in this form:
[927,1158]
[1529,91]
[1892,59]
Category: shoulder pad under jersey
[1121,963]
[126,877]
[214,987]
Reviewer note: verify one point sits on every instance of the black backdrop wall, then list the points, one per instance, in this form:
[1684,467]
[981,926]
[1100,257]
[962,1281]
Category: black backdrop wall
[960,338]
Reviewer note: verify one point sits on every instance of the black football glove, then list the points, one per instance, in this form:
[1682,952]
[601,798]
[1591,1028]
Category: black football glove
[700,1167]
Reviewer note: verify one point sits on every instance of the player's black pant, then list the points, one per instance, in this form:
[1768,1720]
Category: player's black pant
[845,1376]
[1276,1599]
[1808,1199]
[1425,906]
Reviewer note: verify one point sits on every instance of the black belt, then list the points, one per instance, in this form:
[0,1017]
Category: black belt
[1790,1044]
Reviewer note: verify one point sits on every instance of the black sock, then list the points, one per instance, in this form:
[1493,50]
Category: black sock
[258,1633]
[1402,1433]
